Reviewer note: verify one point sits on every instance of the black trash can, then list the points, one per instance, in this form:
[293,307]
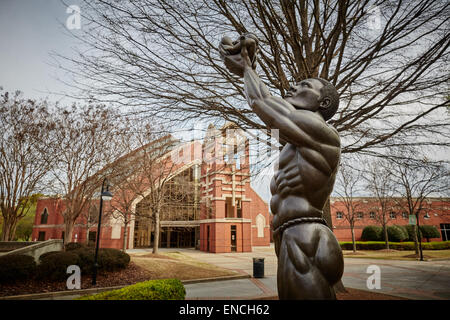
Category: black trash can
[258,267]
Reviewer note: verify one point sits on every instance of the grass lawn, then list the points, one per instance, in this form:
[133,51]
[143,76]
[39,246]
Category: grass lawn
[397,254]
[177,265]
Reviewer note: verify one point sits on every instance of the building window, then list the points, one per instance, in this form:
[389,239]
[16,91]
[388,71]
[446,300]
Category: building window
[92,237]
[405,215]
[239,208]
[339,215]
[44,216]
[260,224]
[237,161]
[445,231]
[229,209]
[359,215]
[372,215]
[41,236]
[392,215]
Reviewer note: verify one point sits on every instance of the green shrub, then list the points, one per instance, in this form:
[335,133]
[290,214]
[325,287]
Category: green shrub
[54,266]
[112,259]
[108,259]
[15,267]
[74,246]
[429,232]
[405,232]
[377,245]
[85,259]
[436,245]
[410,230]
[360,245]
[42,256]
[401,245]
[396,234]
[166,289]
[372,233]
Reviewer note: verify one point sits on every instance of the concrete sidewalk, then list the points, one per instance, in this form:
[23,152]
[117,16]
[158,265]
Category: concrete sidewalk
[424,280]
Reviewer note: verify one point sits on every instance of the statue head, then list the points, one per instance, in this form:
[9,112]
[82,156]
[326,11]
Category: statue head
[314,94]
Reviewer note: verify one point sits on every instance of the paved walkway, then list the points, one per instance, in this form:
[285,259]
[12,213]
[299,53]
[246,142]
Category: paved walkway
[409,279]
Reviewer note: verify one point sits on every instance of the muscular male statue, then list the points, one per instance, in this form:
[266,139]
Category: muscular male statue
[310,259]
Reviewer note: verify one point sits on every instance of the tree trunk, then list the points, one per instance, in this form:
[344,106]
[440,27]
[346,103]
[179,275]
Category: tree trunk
[386,237]
[69,225]
[419,237]
[9,228]
[125,235]
[416,241]
[156,237]
[5,231]
[352,228]
[87,234]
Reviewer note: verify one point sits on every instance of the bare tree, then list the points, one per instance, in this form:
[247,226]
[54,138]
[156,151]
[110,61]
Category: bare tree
[348,186]
[84,137]
[157,169]
[144,172]
[418,178]
[122,210]
[26,155]
[388,60]
[126,176]
[89,216]
[380,183]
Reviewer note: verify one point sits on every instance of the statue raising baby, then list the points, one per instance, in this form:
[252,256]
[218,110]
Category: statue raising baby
[310,259]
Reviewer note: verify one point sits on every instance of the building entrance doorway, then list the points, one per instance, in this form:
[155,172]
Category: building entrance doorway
[233,239]
[178,237]
[169,237]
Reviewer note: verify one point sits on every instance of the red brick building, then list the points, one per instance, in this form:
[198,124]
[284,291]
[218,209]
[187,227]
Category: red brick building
[435,212]
[222,213]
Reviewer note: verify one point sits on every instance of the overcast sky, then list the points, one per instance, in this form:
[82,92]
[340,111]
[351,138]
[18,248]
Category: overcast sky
[29,31]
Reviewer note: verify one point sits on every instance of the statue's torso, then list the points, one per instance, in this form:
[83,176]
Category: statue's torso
[299,188]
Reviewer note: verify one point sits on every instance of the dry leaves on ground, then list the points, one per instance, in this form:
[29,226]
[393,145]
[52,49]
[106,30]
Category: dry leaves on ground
[132,274]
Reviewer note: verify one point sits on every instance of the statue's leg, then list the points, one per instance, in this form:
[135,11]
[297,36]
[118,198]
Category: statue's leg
[299,275]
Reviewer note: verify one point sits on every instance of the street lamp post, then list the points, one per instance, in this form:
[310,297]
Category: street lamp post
[419,236]
[104,195]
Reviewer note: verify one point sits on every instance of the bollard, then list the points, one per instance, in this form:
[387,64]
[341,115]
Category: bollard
[258,267]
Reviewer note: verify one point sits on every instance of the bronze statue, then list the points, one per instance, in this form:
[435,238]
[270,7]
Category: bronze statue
[310,259]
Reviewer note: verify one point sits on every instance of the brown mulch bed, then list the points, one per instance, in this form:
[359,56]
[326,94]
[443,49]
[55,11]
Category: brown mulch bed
[416,256]
[387,250]
[132,274]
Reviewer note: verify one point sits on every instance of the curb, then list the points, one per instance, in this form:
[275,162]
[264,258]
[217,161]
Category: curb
[56,294]
[243,276]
